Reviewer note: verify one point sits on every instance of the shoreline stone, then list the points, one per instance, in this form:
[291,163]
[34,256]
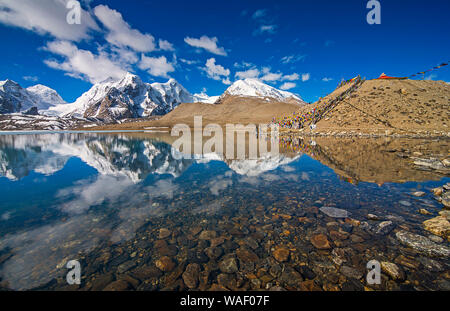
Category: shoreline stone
[334,212]
[320,241]
[422,244]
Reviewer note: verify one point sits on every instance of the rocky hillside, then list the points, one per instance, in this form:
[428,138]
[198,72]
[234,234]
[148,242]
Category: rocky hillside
[230,109]
[389,107]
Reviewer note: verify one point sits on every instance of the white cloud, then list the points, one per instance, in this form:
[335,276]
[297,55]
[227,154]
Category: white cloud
[269,29]
[156,66]
[123,55]
[83,64]
[270,77]
[207,43]
[46,17]
[166,45]
[217,72]
[292,59]
[251,73]
[243,65]
[30,78]
[288,86]
[259,13]
[327,79]
[188,61]
[291,77]
[265,74]
[120,33]
[306,77]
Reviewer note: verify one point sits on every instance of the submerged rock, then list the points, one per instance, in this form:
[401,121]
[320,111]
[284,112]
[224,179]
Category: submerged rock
[165,264]
[120,285]
[405,203]
[438,191]
[320,241]
[351,272]
[126,266]
[384,227]
[432,163]
[422,244]
[228,265]
[373,217]
[439,226]
[334,212]
[424,212]
[281,254]
[164,233]
[190,275]
[418,194]
[207,235]
[394,271]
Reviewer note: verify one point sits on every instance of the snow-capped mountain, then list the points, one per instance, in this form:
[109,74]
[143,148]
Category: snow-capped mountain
[255,88]
[128,97]
[45,97]
[14,98]
[204,98]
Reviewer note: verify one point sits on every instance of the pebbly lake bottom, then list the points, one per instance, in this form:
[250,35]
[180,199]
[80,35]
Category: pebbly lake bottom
[136,217]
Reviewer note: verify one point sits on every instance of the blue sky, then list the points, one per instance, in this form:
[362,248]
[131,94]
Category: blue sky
[305,47]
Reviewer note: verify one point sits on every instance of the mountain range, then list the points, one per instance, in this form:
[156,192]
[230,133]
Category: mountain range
[125,98]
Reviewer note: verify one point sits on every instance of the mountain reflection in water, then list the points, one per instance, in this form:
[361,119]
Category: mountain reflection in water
[81,196]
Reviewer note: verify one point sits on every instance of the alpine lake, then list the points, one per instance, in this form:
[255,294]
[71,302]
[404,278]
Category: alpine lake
[137,216]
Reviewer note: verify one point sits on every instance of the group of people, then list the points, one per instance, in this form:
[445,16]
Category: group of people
[298,120]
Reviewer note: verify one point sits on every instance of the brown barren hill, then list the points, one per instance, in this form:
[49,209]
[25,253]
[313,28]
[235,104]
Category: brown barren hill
[389,106]
[230,109]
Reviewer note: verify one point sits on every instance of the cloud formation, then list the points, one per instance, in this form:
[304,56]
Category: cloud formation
[207,43]
[83,64]
[217,72]
[166,45]
[251,73]
[120,33]
[293,58]
[268,29]
[46,17]
[287,86]
[306,77]
[156,66]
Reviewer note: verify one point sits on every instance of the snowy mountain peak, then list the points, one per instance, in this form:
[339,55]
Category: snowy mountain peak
[204,98]
[129,80]
[8,84]
[45,97]
[255,88]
